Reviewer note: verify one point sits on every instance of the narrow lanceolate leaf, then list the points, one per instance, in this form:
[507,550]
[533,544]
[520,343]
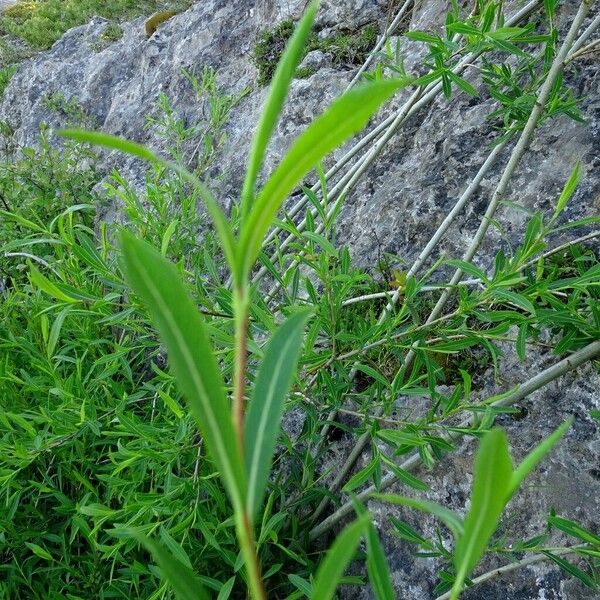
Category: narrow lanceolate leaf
[346,116]
[571,569]
[574,529]
[191,358]
[286,68]
[44,284]
[266,404]
[449,518]
[535,456]
[182,579]
[491,485]
[377,565]
[338,556]
[222,227]
[568,190]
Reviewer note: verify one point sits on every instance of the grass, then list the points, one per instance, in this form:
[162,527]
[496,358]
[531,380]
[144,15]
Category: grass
[346,49]
[38,24]
[107,456]
[6,74]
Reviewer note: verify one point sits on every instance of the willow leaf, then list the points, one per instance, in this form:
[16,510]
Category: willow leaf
[266,404]
[182,579]
[449,518]
[377,565]
[338,556]
[286,68]
[345,117]
[491,485]
[182,330]
[535,456]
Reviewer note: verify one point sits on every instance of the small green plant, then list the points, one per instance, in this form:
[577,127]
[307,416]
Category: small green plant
[113,32]
[99,454]
[70,110]
[242,444]
[39,24]
[6,74]
[207,136]
[347,48]
[269,48]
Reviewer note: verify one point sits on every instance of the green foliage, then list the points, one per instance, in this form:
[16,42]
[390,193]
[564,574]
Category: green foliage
[104,472]
[269,48]
[346,48]
[71,111]
[40,23]
[337,558]
[113,32]
[494,483]
[6,74]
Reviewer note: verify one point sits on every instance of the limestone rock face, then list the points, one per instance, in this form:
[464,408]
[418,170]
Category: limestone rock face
[395,207]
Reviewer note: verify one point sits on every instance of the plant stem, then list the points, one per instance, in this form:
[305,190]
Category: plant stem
[536,558]
[248,546]
[245,531]
[239,382]
[535,383]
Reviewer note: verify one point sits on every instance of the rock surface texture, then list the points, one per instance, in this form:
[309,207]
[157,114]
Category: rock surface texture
[395,207]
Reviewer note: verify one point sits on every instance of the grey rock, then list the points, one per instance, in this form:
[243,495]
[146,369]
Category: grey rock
[394,208]
[314,60]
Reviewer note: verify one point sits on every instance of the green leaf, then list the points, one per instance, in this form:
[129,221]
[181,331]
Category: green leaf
[522,341]
[398,437]
[463,84]
[266,404]
[55,331]
[377,566]
[167,235]
[449,518]
[116,143]
[191,357]
[338,556]
[404,476]
[535,456]
[44,284]
[346,116]
[182,579]
[421,36]
[574,529]
[514,298]
[225,591]
[301,584]
[463,29]
[286,68]
[374,374]
[572,570]
[468,268]
[491,485]
[359,478]
[171,403]
[175,548]
[567,192]
[325,244]
[39,551]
